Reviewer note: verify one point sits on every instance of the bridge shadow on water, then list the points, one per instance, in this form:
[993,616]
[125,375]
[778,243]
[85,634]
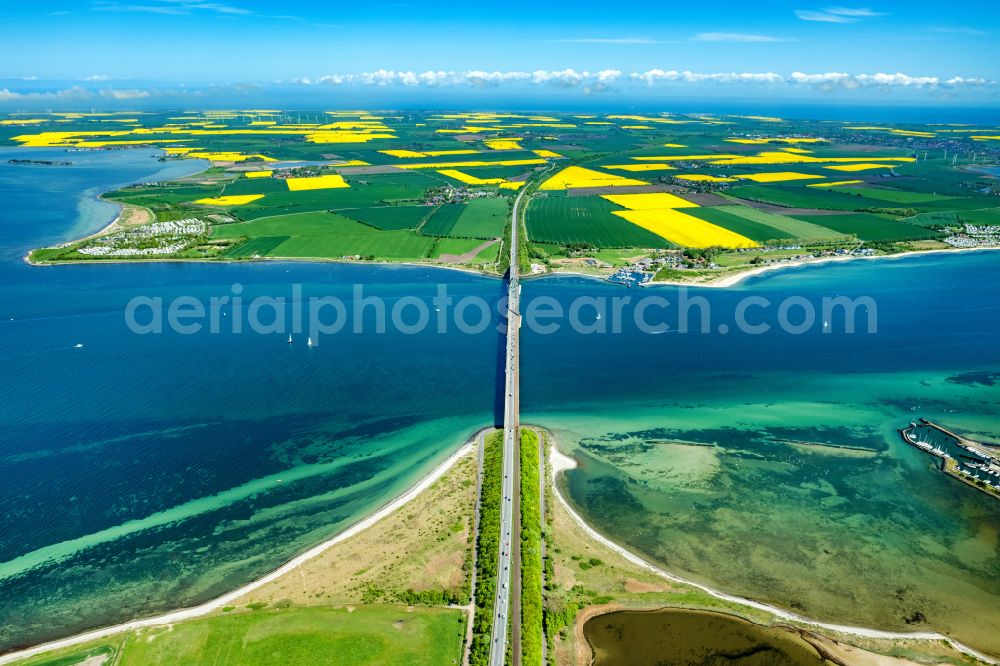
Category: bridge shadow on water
[501,367]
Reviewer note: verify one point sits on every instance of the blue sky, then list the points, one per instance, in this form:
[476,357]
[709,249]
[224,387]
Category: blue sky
[946,51]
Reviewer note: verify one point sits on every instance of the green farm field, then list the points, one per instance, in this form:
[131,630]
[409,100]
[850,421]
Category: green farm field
[367,634]
[893,196]
[869,227]
[479,218]
[323,235]
[395,204]
[567,220]
[390,218]
[789,226]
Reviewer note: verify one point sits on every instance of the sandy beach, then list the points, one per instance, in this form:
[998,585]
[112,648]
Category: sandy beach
[217,603]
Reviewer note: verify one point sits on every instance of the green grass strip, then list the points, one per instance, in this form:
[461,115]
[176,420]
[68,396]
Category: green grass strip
[531,552]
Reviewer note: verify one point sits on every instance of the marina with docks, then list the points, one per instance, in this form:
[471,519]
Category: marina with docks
[971,462]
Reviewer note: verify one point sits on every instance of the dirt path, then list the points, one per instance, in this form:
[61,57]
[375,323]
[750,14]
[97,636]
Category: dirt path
[468,256]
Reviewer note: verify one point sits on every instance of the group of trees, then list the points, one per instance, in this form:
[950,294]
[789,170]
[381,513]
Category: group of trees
[694,255]
[487,549]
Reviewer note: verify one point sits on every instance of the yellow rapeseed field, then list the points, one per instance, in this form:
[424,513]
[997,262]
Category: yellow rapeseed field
[227,156]
[574,176]
[686,158]
[259,174]
[837,184]
[402,154]
[685,230]
[703,178]
[471,163]
[546,153]
[860,167]
[649,201]
[230,200]
[768,157]
[640,167]
[328,182]
[779,177]
[431,153]
[470,179]
[503,144]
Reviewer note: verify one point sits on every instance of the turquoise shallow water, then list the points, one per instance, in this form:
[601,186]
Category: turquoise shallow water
[146,472]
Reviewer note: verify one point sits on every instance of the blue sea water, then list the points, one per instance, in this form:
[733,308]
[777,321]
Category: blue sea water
[145,472]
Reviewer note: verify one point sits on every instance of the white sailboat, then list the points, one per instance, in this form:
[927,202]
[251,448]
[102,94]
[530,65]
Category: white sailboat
[309,342]
[289,339]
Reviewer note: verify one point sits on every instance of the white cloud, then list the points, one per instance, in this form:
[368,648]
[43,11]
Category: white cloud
[735,37]
[975,32]
[96,77]
[608,75]
[110,93]
[582,81]
[862,12]
[605,79]
[837,14]
[655,76]
[76,92]
[170,7]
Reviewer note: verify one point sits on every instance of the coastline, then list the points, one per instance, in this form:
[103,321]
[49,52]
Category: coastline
[561,463]
[736,277]
[726,281]
[212,605]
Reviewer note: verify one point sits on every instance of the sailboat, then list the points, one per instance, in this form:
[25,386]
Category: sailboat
[309,342]
[289,339]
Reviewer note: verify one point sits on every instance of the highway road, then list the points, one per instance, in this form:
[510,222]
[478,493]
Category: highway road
[502,607]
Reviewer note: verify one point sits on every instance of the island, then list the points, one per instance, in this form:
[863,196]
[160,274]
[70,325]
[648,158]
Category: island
[40,162]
